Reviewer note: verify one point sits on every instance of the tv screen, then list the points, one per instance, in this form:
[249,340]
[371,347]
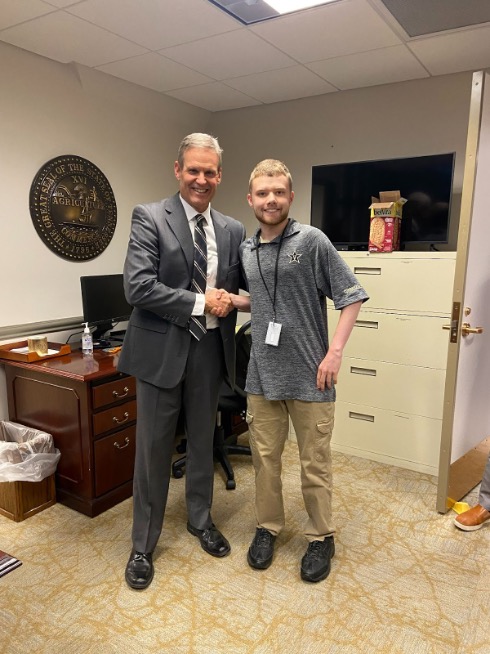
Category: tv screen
[103,301]
[341,195]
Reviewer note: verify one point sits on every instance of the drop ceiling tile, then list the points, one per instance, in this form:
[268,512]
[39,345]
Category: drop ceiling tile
[13,12]
[154,72]
[76,40]
[384,66]
[61,4]
[455,52]
[419,17]
[196,45]
[214,97]
[157,24]
[279,85]
[229,55]
[330,31]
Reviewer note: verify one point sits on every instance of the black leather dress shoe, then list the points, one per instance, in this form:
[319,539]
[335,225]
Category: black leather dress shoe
[212,540]
[139,570]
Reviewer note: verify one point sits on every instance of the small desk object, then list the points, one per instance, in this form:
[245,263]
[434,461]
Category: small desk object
[90,410]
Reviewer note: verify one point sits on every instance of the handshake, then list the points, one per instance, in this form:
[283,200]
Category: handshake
[218,302]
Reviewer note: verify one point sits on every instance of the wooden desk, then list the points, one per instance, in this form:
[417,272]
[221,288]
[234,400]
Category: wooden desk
[90,409]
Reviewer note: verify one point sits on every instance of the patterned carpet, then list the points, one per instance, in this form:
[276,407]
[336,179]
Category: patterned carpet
[403,580]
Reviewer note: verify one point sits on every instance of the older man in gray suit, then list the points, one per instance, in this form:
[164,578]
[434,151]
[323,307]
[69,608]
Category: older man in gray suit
[182,262]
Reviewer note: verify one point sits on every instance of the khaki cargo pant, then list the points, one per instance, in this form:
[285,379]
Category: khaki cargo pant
[268,422]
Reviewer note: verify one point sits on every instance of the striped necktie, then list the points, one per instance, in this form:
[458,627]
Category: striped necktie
[197,324]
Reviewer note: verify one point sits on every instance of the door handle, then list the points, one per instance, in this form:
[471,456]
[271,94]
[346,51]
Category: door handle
[466,329]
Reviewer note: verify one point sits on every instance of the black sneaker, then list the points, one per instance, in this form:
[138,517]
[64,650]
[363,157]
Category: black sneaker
[315,564]
[261,550]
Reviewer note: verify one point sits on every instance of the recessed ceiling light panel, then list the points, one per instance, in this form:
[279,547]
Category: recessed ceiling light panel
[255,11]
[286,6]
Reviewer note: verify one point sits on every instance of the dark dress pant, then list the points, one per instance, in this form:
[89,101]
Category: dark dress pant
[158,413]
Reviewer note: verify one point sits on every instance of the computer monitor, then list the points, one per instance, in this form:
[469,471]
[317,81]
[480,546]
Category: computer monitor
[104,303]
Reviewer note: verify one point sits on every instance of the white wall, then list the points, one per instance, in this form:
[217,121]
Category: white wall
[420,117]
[50,109]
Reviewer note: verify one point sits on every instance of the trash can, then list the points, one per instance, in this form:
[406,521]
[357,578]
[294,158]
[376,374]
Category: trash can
[28,461]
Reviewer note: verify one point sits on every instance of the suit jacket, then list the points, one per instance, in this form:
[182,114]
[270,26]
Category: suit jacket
[157,279]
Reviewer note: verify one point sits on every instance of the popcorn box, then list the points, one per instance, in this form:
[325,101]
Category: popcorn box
[385,225]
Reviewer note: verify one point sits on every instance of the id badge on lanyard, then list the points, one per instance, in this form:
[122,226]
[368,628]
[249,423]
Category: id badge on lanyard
[274,329]
[273,333]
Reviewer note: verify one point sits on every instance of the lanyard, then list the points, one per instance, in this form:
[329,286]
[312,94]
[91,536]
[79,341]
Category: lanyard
[272,299]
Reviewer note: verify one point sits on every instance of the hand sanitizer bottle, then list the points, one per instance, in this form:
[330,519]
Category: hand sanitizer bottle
[87,342]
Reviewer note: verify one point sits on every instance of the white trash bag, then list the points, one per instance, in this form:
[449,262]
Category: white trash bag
[26,454]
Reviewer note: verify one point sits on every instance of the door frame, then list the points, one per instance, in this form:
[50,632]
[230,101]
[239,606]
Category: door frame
[457,478]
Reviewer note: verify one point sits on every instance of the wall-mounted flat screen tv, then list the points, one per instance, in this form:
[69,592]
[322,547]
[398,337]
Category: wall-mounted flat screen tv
[341,195]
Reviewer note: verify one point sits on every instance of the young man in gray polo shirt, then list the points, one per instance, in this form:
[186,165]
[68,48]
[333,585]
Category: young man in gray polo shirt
[291,269]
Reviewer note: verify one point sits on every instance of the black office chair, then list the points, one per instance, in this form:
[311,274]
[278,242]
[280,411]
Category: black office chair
[230,419]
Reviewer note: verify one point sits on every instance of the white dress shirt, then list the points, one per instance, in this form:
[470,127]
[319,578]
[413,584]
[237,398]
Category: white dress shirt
[212,267]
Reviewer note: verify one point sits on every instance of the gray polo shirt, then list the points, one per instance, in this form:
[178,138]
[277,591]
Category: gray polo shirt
[309,270]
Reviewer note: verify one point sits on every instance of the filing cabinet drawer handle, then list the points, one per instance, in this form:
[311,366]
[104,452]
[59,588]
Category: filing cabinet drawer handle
[368,324]
[120,397]
[121,447]
[363,371]
[120,422]
[361,270]
[361,416]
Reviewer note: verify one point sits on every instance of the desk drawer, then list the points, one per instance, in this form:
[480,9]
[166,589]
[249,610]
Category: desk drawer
[116,416]
[114,460]
[113,391]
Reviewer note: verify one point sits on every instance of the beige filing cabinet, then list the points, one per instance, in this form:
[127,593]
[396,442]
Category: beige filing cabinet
[391,385]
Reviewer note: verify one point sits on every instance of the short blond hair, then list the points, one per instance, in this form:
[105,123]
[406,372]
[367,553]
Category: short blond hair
[270,168]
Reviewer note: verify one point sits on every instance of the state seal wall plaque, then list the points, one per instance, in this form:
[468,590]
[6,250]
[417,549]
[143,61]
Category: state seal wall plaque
[73,208]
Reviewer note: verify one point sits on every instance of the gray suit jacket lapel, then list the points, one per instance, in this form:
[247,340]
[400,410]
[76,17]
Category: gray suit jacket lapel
[222,234]
[178,223]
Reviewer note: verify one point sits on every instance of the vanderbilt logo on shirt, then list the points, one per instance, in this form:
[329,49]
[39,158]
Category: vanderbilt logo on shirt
[294,257]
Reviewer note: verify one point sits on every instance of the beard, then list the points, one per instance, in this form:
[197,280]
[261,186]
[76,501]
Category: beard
[276,219]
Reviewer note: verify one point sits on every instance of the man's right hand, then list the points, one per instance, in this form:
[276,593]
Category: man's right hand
[218,302]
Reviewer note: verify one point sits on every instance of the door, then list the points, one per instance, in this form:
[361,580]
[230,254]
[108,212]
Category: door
[465,441]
